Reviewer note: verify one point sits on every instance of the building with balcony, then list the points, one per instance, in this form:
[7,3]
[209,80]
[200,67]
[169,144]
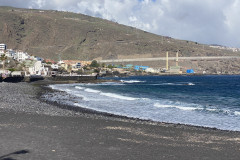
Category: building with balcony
[21,56]
[3,46]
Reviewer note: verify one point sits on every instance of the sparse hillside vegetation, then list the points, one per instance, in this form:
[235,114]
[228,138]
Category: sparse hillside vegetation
[53,34]
[64,35]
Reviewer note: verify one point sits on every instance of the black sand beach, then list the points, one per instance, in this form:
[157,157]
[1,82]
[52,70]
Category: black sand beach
[33,129]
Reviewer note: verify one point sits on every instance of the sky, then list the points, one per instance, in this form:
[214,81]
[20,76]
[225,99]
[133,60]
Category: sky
[202,21]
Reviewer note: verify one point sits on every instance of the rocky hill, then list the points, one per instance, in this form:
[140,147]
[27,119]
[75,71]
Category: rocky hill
[64,35]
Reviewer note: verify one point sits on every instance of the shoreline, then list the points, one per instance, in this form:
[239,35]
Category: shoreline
[111,116]
[50,131]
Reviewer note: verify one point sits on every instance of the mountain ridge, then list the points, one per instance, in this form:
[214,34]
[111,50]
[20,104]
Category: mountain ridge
[65,35]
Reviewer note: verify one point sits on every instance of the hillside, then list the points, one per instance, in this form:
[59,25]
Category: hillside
[65,35]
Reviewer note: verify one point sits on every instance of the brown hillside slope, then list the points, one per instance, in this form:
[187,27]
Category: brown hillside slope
[55,35]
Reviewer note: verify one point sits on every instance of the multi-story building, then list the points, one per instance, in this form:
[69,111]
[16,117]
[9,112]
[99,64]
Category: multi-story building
[3,46]
[21,56]
[35,68]
[10,53]
[73,65]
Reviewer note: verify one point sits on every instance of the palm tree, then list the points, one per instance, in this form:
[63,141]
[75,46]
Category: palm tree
[3,58]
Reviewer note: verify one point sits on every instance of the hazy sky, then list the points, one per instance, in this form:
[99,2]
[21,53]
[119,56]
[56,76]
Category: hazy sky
[203,21]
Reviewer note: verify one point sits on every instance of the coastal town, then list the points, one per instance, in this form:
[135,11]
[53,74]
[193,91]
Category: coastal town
[18,65]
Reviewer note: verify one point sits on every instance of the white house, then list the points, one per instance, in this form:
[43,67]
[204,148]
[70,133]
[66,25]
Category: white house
[21,56]
[151,70]
[3,46]
[54,66]
[35,68]
[10,53]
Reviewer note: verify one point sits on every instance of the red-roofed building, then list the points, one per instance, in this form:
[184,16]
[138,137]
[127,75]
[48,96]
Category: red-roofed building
[50,61]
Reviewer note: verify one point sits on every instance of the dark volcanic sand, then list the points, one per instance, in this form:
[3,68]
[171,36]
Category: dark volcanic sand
[32,129]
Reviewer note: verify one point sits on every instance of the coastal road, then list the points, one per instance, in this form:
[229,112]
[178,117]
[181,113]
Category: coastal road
[169,58]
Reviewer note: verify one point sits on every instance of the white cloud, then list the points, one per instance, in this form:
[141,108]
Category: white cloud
[232,20]
[37,4]
[205,21]
[132,19]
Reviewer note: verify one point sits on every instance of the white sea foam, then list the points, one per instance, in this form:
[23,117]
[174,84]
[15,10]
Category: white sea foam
[132,81]
[53,87]
[211,109]
[163,106]
[161,84]
[65,90]
[175,84]
[105,84]
[177,107]
[222,111]
[92,90]
[197,108]
[84,98]
[78,87]
[118,96]
[80,105]
[237,113]
[170,84]
[187,108]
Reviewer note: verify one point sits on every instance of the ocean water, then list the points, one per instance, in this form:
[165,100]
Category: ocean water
[209,101]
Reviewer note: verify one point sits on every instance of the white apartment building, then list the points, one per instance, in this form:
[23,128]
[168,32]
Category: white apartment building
[3,46]
[10,53]
[35,68]
[21,56]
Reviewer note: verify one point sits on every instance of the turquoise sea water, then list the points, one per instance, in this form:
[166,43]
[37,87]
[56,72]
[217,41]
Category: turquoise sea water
[210,101]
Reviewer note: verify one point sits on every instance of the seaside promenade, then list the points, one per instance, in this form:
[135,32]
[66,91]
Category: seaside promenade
[36,130]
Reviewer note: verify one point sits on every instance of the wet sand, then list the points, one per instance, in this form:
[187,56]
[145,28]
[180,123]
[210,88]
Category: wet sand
[33,129]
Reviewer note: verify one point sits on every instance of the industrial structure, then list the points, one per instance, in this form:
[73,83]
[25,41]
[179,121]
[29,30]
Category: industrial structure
[173,69]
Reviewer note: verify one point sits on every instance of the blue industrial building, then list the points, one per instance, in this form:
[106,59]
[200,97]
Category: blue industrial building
[143,68]
[190,71]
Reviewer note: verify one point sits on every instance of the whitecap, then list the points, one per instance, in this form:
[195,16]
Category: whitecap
[211,110]
[92,90]
[187,108]
[169,84]
[237,113]
[78,87]
[174,106]
[118,96]
[105,84]
[82,97]
[132,81]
